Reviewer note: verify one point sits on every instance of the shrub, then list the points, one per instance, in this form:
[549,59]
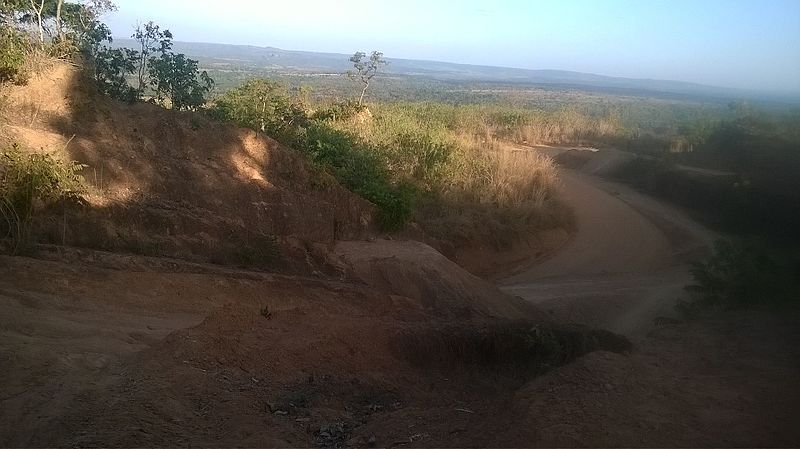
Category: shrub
[30,180]
[14,48]
[359,168]
[465,190]
[262,105]
[741,274]
[340,110]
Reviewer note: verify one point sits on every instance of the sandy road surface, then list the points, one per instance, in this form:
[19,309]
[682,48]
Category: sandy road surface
[627,262]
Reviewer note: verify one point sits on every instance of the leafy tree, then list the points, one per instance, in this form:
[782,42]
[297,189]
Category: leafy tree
[151,40]
[366,69]
[83,26]
[66,23]
[177,78]
[111,69]
[10,10]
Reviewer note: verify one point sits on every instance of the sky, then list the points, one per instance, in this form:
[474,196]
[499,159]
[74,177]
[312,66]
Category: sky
[730,43]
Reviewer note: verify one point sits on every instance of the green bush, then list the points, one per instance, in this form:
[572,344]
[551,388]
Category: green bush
[740,275]
[31,180]
[14,48]
[340,110]
[358,167]
[262,105]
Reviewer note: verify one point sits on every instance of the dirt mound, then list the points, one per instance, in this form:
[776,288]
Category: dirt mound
[154,354]
[176,184]
[415,270]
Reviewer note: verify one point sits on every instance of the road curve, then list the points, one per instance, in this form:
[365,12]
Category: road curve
[626,264]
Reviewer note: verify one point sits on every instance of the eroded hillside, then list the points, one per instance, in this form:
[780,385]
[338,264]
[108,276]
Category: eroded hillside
[174,184]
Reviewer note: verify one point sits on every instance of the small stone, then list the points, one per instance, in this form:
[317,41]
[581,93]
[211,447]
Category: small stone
[372,441]
[280,412]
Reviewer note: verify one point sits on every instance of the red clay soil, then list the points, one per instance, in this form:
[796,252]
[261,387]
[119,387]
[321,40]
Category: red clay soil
[166,183]
[127,351]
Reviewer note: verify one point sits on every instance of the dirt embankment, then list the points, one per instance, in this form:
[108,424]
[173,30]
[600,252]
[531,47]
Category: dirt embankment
[176,184]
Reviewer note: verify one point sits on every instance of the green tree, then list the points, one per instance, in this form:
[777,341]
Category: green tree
[80,23]
[10,11]
[66,23]
[177,78]
[151,40]
[366,69]
[111,69]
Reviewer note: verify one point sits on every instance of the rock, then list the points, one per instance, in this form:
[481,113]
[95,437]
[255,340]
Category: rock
[372,441]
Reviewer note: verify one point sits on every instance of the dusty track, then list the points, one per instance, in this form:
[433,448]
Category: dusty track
[627,262]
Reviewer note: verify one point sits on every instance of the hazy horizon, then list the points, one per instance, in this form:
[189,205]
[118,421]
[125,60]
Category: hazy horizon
[738,44]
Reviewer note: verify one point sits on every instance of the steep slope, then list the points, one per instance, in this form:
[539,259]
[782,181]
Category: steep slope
[175,184]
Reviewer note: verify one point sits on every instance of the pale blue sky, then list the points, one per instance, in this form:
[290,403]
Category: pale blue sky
[735,43]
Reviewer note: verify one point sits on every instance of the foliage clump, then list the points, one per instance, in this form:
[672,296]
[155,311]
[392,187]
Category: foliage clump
[29,181]
[64,29]
[265,106]
[741,275]
[177,79]
[171,78]
[14,46]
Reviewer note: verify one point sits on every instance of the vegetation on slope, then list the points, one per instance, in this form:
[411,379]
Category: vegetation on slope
[28,181]
[421,162]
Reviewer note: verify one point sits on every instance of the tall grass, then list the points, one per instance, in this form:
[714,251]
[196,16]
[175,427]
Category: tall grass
[473,189]
[521,125]
[30,180]
[443,166]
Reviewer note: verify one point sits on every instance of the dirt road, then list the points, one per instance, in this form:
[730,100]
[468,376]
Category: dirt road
[627,262]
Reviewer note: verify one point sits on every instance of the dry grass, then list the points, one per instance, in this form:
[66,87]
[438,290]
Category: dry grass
[477,190]
[497,195]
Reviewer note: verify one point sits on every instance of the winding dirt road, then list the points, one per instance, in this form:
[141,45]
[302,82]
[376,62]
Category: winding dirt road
[627,262]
